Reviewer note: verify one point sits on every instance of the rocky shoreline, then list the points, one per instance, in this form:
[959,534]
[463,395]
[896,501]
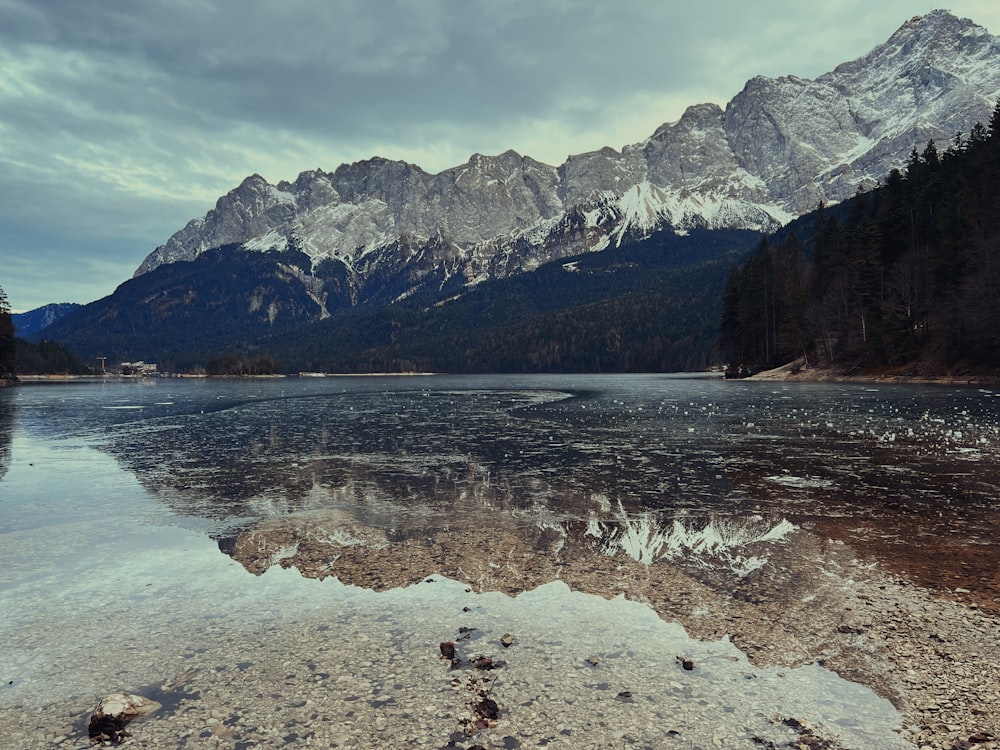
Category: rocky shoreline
[930,651]
[326,679]
[800,371]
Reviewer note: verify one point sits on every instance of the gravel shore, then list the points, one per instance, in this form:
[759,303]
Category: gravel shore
[345,678]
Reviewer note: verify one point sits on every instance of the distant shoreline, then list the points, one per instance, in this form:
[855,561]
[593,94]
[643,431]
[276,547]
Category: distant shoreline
[793,372]
[65,378]
[799,372]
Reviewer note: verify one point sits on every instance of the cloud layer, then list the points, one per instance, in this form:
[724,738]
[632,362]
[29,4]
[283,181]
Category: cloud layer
[119,122]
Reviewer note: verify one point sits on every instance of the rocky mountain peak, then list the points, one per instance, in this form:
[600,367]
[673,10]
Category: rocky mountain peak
[304,180]
[386,180]
[253,182]
[937,40]
[699,116]
[935,26]
[774,151]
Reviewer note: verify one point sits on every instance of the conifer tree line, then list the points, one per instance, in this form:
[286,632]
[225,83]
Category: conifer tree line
[7,346]
[20,357]
[903,278]
[232,364]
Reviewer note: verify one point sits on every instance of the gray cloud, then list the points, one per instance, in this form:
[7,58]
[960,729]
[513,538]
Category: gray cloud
[120,121]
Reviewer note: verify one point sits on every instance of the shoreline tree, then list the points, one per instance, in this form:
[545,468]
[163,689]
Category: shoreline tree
[7,341]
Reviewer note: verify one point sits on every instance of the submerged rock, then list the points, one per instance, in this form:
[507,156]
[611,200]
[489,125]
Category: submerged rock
[114,712]
[685,662]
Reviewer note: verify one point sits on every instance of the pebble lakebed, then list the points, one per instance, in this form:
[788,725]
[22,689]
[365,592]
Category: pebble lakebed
[345,680]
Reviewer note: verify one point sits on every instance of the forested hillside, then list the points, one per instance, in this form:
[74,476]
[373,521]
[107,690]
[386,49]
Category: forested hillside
[20,357]
[46,358]
[904,278]
[649,305]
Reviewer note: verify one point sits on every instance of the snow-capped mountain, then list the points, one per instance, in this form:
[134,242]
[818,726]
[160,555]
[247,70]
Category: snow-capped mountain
[29,323]
[778,148]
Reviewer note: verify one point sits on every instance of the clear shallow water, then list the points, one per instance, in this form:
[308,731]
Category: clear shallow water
[116,499]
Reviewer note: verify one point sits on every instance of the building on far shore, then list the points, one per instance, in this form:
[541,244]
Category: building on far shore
[140,368]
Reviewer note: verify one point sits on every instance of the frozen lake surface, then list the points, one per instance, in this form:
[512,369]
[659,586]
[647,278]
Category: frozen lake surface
[381,515]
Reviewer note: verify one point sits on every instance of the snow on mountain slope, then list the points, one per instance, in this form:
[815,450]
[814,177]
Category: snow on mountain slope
[778,148]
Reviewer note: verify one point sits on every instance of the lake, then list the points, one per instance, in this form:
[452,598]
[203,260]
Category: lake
[277,561]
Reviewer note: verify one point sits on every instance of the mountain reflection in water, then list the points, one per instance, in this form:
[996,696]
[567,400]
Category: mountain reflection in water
[513,481]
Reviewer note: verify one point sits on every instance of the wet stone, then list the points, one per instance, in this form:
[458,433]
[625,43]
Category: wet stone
[116,711]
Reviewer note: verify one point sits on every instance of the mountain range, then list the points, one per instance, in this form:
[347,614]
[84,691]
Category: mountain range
[343,245]
[29,323]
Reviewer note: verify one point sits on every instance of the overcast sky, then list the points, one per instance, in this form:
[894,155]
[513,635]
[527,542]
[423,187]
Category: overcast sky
[120,121]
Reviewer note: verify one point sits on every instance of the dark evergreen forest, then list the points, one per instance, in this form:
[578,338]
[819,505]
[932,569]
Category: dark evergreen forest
[20,357]
[903,279]
[649,305]
[46,358]
[6,339]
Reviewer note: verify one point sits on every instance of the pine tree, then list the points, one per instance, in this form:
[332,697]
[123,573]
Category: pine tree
[994,126]
[7,344]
